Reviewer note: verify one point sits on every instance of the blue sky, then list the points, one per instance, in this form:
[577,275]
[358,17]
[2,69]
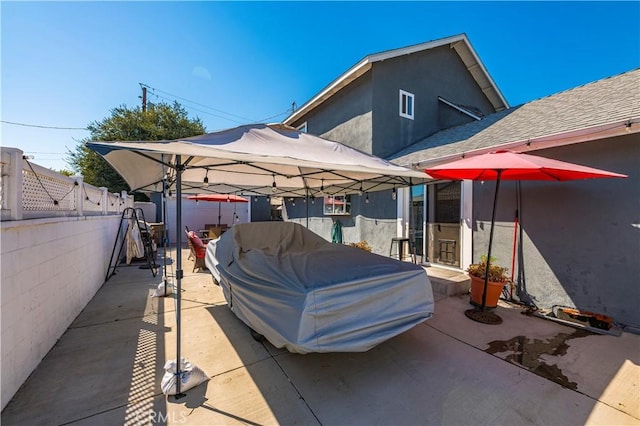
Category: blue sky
[66,64]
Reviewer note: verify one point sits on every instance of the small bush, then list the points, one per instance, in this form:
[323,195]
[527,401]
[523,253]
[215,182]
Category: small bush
[497,273]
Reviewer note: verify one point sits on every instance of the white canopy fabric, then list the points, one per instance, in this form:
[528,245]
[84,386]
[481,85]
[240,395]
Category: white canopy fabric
[257,159]
[249,159]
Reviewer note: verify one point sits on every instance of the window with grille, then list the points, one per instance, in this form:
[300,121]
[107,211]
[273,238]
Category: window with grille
[448,202]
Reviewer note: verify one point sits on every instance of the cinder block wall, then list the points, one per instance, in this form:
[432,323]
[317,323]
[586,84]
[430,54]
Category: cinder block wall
[50,270]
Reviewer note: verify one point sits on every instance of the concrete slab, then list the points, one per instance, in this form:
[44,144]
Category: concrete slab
[611,376]
[109,304]
[258,394]
[571,357]
[214,339]
[107,369]
[236,397]
[425,377]
[92,369]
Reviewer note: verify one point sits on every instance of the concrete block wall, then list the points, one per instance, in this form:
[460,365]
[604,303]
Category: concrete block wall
[50,270]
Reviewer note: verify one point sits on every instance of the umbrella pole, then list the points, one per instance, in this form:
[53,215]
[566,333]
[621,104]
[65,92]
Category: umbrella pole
[482,315]
[235,215]
[513,253]
[179,394]
[493,222]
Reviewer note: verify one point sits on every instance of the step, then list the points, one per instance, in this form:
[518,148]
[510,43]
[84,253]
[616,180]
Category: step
[448,283]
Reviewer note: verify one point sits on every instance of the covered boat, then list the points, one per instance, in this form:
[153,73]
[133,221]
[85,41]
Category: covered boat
[306,294]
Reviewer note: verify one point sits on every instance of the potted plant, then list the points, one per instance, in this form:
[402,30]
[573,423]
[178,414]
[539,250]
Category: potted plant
[498,278]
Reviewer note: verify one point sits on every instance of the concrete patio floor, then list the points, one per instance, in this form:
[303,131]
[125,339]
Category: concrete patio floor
[107,367]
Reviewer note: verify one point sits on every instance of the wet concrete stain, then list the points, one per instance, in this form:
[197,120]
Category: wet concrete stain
[527,353]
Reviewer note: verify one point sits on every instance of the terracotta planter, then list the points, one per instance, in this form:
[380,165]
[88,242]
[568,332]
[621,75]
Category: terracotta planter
[494,290]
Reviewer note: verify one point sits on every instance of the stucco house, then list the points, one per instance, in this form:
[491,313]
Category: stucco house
[569,244]
[387,102]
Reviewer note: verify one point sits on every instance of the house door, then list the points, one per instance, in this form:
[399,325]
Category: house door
[442,211]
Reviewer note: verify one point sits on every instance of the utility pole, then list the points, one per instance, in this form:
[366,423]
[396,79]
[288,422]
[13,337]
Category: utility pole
[144,99]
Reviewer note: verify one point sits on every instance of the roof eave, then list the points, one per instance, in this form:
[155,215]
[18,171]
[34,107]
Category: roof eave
[352,74]
[480,74]
[587,134]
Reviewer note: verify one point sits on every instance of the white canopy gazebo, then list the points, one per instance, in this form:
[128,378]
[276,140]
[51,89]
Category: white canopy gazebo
[257,159]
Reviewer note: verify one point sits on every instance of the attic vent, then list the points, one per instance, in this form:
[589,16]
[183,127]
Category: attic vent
[472,112]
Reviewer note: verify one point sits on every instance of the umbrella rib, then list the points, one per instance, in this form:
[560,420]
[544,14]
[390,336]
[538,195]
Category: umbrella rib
[550,175]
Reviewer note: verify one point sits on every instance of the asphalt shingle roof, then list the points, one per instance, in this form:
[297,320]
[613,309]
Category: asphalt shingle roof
[610,100]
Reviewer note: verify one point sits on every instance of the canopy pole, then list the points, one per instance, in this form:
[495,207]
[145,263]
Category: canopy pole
[179,394]
[306,202]
[163,207]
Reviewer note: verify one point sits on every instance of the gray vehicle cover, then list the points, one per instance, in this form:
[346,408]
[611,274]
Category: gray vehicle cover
[306,294]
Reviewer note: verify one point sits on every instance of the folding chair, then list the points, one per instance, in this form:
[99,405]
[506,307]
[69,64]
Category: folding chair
[198,250]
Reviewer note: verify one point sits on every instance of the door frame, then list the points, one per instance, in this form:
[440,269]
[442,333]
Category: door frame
[466,222]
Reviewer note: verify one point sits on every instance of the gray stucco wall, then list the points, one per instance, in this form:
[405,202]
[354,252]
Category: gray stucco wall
[260,209]
[428,74]
[581,239]
[365,114]
[374,222]
[376,232]
[346,116]
[451,117]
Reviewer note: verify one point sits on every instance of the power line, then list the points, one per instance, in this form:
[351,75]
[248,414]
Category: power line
[199,110]
[264,120]
[245,119]
[39,126]
[196,103]
[43,127]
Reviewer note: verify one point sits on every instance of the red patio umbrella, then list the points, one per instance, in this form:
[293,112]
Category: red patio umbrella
[507,165]
[220,198]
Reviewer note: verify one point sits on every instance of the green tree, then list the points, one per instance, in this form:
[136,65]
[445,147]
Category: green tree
[159,121]
[65,172]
